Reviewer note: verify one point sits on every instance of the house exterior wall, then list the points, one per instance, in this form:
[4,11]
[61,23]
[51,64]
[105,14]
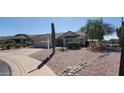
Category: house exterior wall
[83,42]
[42,44]
[59,42]
[42,41]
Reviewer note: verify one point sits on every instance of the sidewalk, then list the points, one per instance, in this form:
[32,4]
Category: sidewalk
[21,63]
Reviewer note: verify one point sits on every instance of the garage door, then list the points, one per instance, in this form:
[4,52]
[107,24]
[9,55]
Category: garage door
[42,44]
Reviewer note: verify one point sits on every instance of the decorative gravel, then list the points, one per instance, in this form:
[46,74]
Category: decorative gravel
[71,63]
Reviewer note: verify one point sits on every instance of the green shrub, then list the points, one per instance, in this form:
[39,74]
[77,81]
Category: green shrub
[3,46]
[10,41]
[73,45]
[28,43]
[11,45]
[8,44]
[17,45]
[24,45]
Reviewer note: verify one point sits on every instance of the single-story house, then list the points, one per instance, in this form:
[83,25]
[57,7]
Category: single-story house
[44,41]
[4,38]
[19,38]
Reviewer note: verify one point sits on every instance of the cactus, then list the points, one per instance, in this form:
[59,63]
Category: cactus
[121,68]
[119,32]
[53,37]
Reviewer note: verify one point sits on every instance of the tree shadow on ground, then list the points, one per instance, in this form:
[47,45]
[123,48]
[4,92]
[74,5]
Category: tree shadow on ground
[43,63]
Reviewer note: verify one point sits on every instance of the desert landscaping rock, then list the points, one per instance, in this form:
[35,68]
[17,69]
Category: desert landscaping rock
[107,65]
[71,71]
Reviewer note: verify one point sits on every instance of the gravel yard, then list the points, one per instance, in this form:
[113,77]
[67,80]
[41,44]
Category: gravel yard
[97,64]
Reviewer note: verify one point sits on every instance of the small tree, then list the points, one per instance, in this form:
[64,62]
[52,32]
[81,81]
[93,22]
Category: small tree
[114,41]
[119,34]
[97,29]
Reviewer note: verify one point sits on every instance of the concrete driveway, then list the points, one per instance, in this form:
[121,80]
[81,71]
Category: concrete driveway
[21,63]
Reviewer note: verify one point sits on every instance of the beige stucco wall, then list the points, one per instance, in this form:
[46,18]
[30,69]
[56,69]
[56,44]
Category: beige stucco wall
[42,44]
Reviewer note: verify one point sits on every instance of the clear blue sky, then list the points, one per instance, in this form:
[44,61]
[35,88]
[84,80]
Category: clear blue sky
[41,25]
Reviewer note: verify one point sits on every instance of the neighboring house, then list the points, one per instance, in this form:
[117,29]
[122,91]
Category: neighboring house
[44,41]
[19,38]
[71,37]
[4,38]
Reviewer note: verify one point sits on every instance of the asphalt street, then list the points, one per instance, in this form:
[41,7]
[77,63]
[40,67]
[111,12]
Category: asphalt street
[4,69]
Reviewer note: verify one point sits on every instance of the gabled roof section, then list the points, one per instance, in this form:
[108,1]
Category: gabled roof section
[69,34]
[3,38]
[46,36]
[19,37]
[41,37]
[81,33]
[24,35]
[58,35]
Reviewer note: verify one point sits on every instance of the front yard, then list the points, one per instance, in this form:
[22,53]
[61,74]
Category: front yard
[96,63]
